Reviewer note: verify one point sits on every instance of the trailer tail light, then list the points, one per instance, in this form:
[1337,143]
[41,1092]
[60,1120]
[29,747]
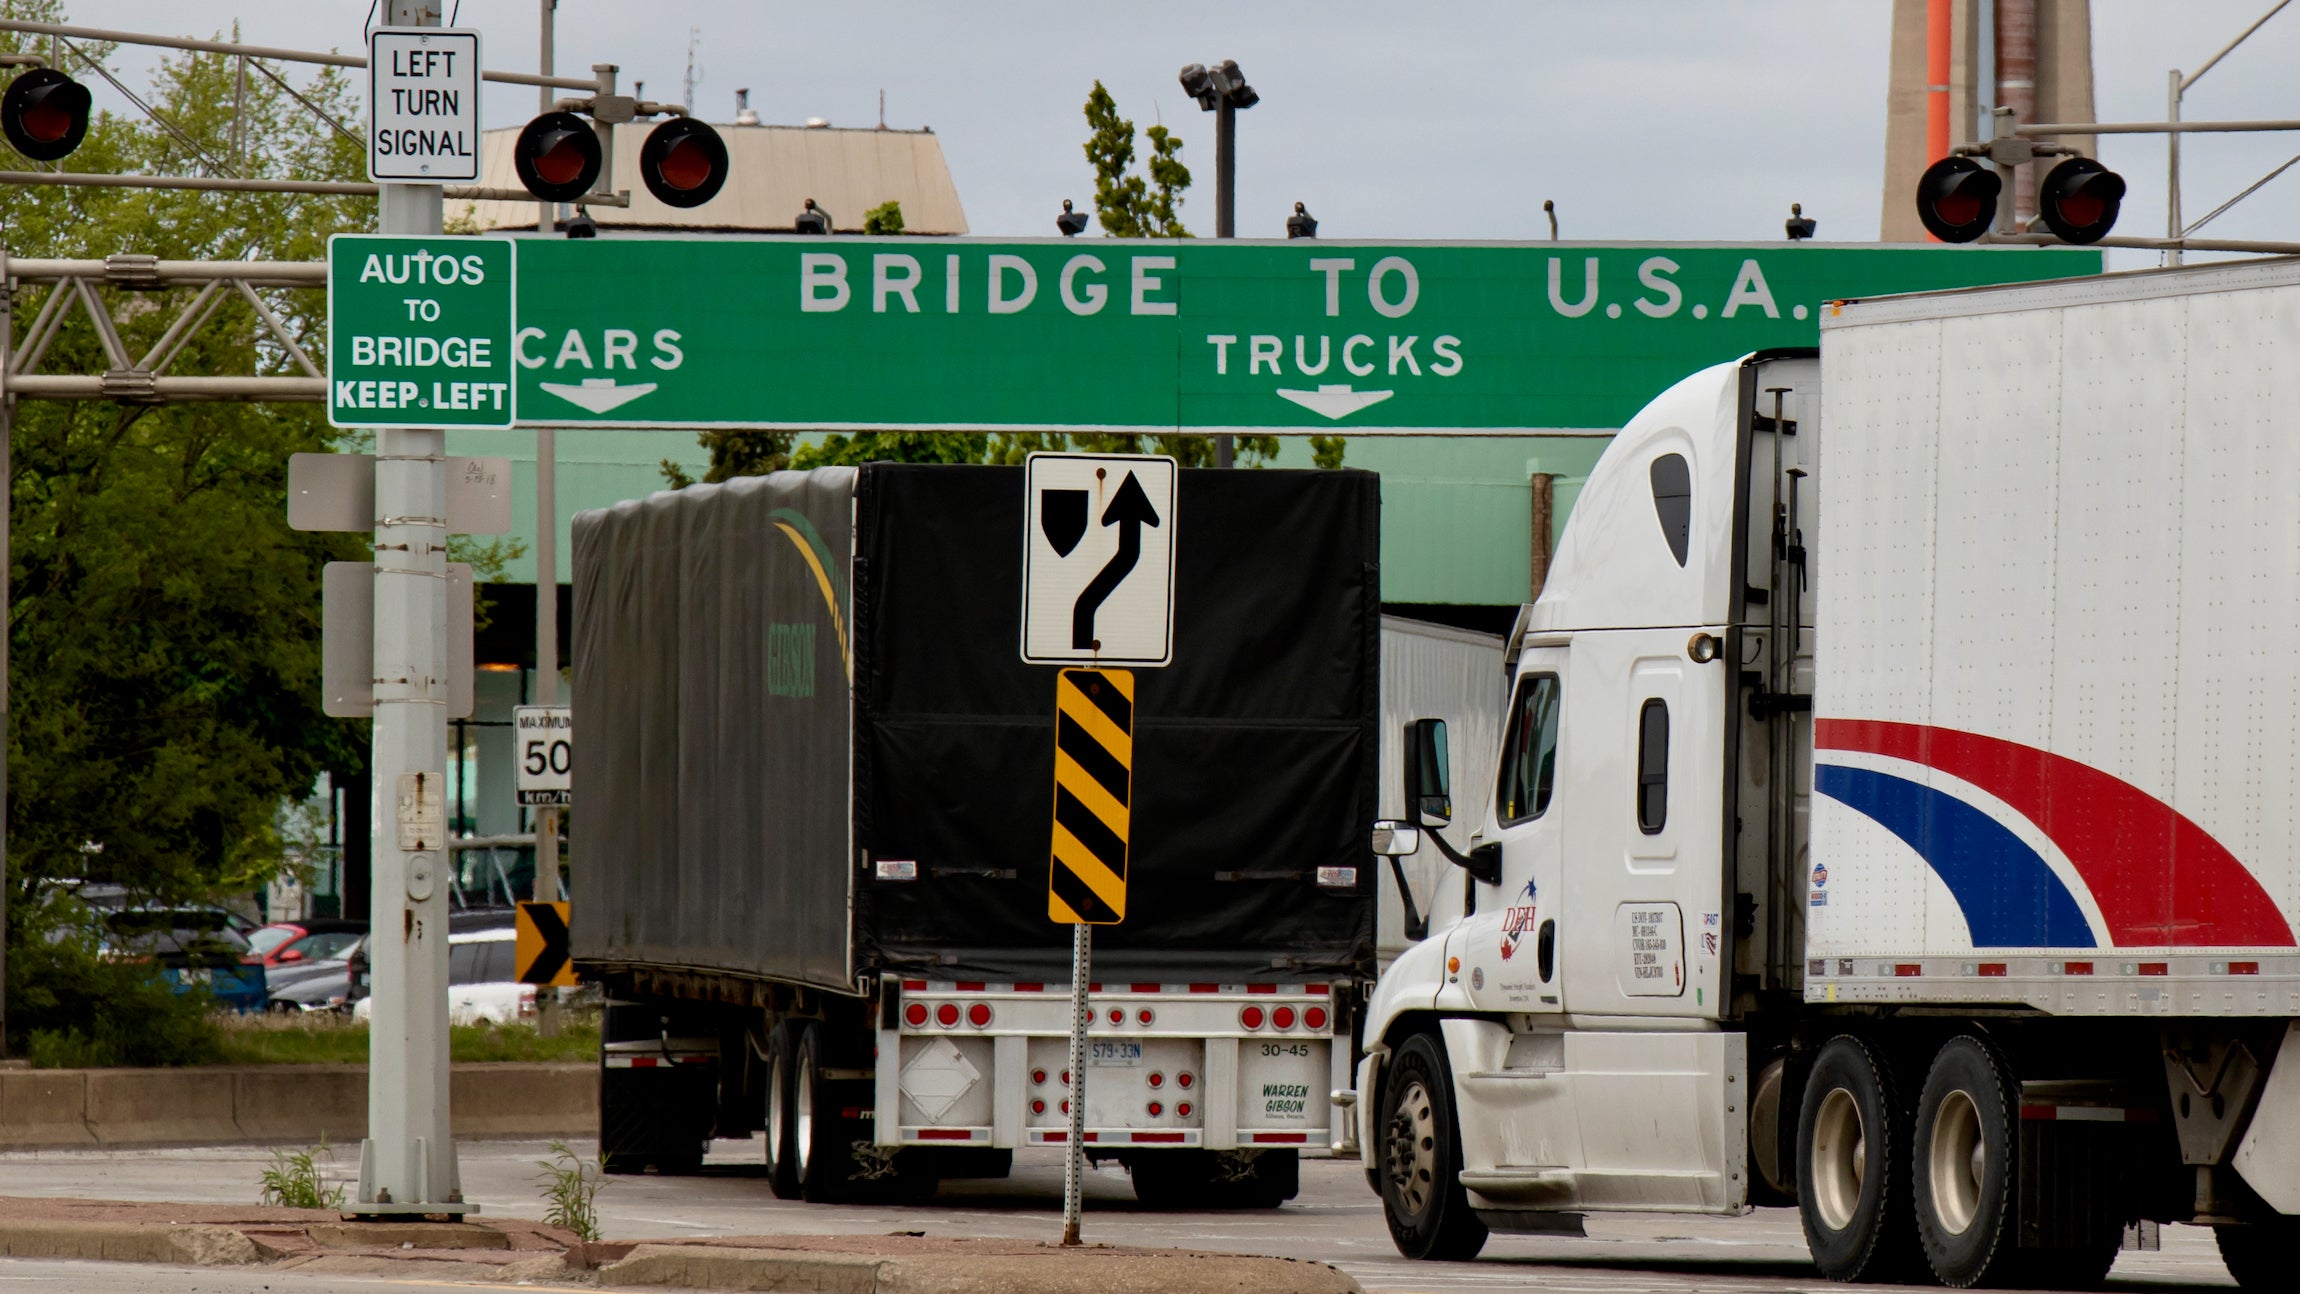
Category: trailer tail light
[2244,968]
[1250,1017]
[1156,1109]
[1038,1107]
[1066,1078]
[1182,1111]
[1145,1015]
[946,1015]
[1117,1015]
[978,1015]
[1314,1018]
[1185,1078]
[1282,1018]
[915,1015]
[1157,1079]
[1038,1076]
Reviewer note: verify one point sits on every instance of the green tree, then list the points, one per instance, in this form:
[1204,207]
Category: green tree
[1127,205]
[164,621]
[883,220]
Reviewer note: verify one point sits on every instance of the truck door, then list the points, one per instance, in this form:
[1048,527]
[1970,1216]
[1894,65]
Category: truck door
[1509,946]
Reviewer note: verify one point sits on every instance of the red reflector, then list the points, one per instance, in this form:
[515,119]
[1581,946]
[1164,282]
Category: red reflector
[1183,1109]
[2155,968]
[2244,968]
[1313,988]
[1167,1137]
[2077,968]
[1314,1018]
[947,1015]
[1038,1076]
[1117,1015]
[971,986]
[978,1015]
[915,1015]
[1157,1079]
[1250,1016]
[1145,1015]
[1906,969]
[1066,1078]
[696,1058]
[1992,970]
[1261,988]
[1184,1078]
[643,1062]
[913,985]
[1205,988]
[1283,1017]
[1143,988]
[1282,1138]
[855,1112]
[1093,988]
[1038,1107]
[944,1134]
[1156,1109]
[1030,988]
[2046,1112]
[1058,1136]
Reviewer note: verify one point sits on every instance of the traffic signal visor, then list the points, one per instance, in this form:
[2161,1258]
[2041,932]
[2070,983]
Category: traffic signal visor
[2079,199]
[44,114]
[557,157]
[1957,199]
[684,162]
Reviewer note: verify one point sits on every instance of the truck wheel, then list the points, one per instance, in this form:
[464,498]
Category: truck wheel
[782,1150]
[1273,1177]
[1852,1167]
[1422,1197]
[2260,1256]
[820,1137]
[1963,1165]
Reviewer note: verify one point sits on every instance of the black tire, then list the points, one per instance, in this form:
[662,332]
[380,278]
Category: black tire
[1275,1177]
[1163,1179]
[2260,1256]
[1965,1165]
[780,1118]
[1852,1167]
[1422,1197]
[820,1136]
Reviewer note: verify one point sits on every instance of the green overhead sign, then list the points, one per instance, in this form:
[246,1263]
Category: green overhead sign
[419,331]
[1139,336]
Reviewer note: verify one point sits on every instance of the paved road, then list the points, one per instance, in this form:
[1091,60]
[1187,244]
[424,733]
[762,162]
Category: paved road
[1335,1220]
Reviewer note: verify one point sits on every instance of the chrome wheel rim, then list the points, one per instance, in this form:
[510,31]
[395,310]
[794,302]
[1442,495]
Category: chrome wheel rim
[774,1110]
[1958,1159]
[1840,1159]
[803,1092]
[1410,1149]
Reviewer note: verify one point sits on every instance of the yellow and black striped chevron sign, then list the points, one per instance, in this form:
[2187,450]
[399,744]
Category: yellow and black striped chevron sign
[1093,796]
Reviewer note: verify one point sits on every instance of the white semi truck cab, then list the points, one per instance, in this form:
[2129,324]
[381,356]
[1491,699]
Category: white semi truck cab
[1894,810]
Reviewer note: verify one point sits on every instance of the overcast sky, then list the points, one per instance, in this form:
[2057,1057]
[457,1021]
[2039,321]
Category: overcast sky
[1663,119]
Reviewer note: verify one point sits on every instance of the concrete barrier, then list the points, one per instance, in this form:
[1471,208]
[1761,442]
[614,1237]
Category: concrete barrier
[127,1242]
[275,1104]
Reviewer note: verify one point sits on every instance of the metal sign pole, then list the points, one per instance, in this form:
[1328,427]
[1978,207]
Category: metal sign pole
[1074,1160]
[407,1164]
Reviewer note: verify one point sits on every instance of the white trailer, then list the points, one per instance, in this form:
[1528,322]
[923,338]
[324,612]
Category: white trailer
[1432,671]
[1895,808]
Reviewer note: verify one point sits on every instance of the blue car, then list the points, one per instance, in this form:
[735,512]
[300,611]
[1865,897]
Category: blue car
[192,948]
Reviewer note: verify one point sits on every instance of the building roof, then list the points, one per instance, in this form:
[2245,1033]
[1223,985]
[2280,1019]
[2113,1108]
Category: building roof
[772,171]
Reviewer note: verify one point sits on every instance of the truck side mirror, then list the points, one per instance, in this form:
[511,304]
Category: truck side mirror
[1429,799]
[1396,839]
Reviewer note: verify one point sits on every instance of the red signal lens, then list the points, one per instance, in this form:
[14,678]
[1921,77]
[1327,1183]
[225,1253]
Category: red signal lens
[47,122]
[557,157]
[683,162]
[44,114]
[947,1015]
[685,167]
[560,161]
[1250,1017]
[915,1015]
[1958,208]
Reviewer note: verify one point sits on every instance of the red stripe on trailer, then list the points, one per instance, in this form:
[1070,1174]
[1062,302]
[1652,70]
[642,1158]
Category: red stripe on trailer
[2077,968]
[2244,968]
[914,985]
[1166,1137]
[1030,988]
[2044,1112]
[643,1062]
[972,985]
[1282,1138]
[1093,988]
[1205,988]
[1261,988]
[2087,1114]
[1992,970]
[945,1134]
[1907,969]
[1143,988]
[1313,988]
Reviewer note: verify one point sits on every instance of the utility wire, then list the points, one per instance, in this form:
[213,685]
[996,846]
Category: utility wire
[2255,187]
[316,110]
[214,167]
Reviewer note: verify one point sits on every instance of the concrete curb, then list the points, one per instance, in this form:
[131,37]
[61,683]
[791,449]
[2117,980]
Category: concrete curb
[55,1109]
[1082,1271]
[191,1245]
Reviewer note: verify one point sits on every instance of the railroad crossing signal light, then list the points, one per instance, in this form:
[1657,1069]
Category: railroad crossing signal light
[557,157]
[2078,200]
[1957,199]
[683,162]
[44,114]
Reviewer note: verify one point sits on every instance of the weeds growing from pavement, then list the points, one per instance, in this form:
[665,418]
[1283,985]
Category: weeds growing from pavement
[293,1180]
[570,1184]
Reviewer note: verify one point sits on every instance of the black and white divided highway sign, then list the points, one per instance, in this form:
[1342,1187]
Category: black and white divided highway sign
[1098,559]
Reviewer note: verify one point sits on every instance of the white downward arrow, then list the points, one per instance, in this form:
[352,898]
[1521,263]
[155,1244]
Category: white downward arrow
[600,394]
[1336,400]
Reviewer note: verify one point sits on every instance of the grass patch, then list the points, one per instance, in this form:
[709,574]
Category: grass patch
[330,1039]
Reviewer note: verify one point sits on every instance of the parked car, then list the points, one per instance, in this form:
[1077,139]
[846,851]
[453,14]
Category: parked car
[480,970]
[284,944]
[321,985]
[191,947]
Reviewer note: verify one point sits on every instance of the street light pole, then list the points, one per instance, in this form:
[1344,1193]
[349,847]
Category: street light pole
[1222,90]
[2173,228]
[407,1164]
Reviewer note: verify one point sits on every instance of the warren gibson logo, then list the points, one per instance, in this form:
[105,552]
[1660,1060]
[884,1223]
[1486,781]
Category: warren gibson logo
[1515,921]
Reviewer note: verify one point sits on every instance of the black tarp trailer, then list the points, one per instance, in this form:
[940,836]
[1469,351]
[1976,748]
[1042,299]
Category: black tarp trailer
[810,851]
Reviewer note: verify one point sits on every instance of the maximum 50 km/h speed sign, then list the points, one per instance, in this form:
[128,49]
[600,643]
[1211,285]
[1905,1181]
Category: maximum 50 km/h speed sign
[545,747]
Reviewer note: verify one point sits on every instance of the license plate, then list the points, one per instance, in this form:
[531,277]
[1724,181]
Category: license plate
[1109,1054]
